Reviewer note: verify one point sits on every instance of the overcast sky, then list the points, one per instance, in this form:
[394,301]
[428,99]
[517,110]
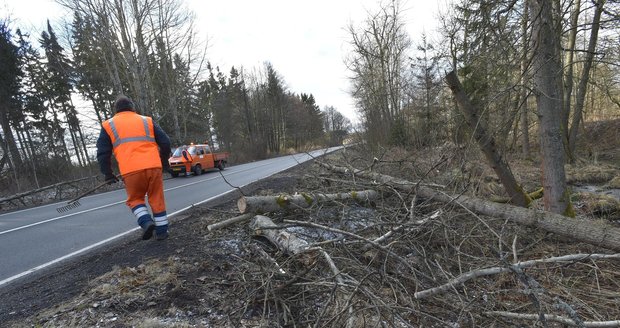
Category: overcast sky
[305,40]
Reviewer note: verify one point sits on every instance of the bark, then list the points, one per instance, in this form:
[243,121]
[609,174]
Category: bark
[291,244]
[286,242]
[265,204]
[569,63]
[5,155]
[592,232]
[487,143]
[33,154]
[525,124]
[9,143]
[3,161]
[547,71]
[585,78]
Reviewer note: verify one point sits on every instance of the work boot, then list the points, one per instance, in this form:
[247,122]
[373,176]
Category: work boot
[187,174]
[161,232]
[147,228]
[161,235]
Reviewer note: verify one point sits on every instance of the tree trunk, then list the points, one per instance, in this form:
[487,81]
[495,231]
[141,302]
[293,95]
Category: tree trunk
[287,242]
[6,159]
[487,144]
[583,82]
[9,140]
[76,146]
[547,71]
[33,158]
[591,232]
[570,64]
[30,192]
[525,124]
[265,204]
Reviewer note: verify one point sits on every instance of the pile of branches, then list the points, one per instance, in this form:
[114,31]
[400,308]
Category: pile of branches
[357,251]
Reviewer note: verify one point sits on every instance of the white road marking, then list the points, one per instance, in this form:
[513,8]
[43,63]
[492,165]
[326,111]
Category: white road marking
[107,205]
[87,248]
[59,217]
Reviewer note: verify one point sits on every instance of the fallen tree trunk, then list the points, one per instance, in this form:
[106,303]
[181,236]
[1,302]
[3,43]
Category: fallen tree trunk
[290,244]
[591,232]
[286,242]
[263,204]
[34,191]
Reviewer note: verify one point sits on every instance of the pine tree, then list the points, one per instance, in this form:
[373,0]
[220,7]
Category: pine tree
[59,89]
[90,71]
[10,105]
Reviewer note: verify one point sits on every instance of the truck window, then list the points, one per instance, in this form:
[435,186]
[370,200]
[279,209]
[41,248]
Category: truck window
[192,150]
[178,152]
[202,151]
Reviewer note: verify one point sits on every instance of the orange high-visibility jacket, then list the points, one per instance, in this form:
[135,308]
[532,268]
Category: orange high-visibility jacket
[133,139]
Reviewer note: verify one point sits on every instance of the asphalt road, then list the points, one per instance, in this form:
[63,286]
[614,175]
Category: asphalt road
[37,238]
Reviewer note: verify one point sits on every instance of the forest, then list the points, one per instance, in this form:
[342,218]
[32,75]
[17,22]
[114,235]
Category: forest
[480,188]
[530,73]
[58,86]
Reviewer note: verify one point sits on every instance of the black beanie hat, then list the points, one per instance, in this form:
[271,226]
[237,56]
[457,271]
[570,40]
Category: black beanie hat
[122,104]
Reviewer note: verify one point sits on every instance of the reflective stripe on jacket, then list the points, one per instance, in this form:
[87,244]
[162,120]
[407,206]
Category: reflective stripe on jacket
[133,139]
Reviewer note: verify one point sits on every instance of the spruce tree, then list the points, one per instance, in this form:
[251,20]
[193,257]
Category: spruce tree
[10,105]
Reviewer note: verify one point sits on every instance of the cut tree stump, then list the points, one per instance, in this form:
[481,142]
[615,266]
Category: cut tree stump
[289,243]
[264,204]
[592,232]
[286,242]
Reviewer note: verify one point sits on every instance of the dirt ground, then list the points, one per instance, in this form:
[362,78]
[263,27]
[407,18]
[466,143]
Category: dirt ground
[230,278]
[184,274]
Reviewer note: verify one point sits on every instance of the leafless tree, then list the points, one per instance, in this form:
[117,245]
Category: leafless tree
[377,63]
[547,70]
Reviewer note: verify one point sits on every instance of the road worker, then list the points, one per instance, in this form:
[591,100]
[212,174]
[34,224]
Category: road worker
[141,149]
[188,162]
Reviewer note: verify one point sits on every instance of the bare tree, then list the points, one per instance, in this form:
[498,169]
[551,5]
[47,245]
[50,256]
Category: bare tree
[547,70]
[583,81]
[487,144]
[377,64]
[148,46]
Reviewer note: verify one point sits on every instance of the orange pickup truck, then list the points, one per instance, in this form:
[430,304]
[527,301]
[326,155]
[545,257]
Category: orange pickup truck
[197,159]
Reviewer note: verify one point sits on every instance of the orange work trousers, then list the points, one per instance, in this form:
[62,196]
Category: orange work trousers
[149,182]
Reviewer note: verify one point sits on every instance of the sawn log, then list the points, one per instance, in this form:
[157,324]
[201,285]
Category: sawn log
[592,232]
[286,242]
[264,204]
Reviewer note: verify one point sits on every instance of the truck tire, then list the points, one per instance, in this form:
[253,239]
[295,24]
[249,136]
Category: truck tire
[221,165]
[197,169]
[174,174]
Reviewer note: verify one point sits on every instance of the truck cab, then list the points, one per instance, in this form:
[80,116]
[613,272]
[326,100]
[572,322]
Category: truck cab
[200,157]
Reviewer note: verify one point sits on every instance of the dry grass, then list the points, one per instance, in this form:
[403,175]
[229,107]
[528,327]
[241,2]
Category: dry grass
[590,173]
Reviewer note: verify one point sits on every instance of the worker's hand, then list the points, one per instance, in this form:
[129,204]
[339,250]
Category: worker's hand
[111,179]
